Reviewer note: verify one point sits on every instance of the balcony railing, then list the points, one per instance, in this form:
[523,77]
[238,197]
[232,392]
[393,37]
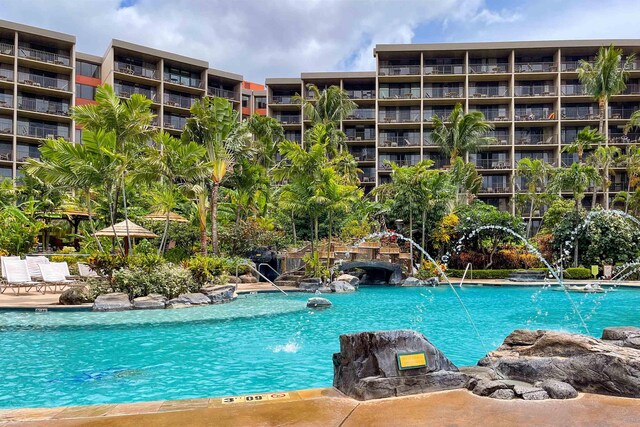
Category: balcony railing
[493,163]
[540,139]
[147,71]
[364,157]
[573,90]
[536,67]
[126,91]
[6,100]
[361,114]
[361,136]
[6,48]
[619,186]
[284,99]
[442,115]
[444,69]
[501,188]
[175,100]
[221,93]
[174,122]
[632,89]
[293,136]
[399,70]
[399,141]
[44,56]
[579,113]
[488,92]
[385,166]
[6,74]
[361,93]
[39,130]
[621,138]
[501,138]
[488,68]
[193,82]
[443,92]
[494,114]
[289,120]
[6,126]
[367,178]
[621,113]
[535,114]
[43,106]
[23,155]
[399,117]
[42,81]
[386,93]
[546,90]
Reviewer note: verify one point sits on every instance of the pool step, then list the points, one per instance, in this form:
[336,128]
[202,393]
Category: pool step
[282,283]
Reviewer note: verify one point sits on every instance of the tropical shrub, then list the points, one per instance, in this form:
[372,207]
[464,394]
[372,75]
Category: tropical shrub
[428,269]
[314,267]
[106,264]
[577,273]
[168,280]
[207,270]
[18,232]
[488,274]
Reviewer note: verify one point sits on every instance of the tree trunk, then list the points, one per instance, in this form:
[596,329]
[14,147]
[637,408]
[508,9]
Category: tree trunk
[626,199]
[411,237]
[605,187]
[91,224]
[202,219]
[311,232]
[530,218]
[424,226]
[163,242]
[126,214]
[594,196]
[329,243]
[214,218]
[575,254]
[601,108]
[293,226]
[112,213]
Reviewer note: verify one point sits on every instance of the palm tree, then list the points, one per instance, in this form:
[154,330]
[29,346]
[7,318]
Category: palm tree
[216,126]
[467,180]
[535,173]
[631,162]
[634,121]
[576,179]
[585,139]
[267,133]
[606,77]
[602,159]
[460,133]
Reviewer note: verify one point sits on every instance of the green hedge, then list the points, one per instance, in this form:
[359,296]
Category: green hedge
[578,273]
[488,274]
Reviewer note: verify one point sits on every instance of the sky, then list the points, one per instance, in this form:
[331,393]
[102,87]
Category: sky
[282,38]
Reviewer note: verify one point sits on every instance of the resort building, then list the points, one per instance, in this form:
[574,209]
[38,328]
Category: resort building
[42,76]
[529,91]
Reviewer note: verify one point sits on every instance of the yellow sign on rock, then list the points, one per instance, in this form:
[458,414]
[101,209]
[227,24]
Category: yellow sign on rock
[412,360]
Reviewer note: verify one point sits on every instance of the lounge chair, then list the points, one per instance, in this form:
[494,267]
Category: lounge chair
[2,261]
[86,271]
[18,276]
[32,264]
[56,274]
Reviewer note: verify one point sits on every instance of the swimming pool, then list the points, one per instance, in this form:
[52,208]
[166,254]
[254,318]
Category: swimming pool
[261,342]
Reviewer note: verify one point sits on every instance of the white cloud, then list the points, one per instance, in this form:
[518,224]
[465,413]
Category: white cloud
[281,38]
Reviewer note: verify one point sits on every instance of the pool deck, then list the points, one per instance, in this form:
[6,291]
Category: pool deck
[34,300]
[328,407]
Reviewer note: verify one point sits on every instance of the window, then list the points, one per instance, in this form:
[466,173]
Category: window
[87,69]
[6,173]
[85,91]
[261,102]
[78,135]
[245,101]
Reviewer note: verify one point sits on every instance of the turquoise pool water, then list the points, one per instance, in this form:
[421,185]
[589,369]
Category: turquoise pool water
[261,342]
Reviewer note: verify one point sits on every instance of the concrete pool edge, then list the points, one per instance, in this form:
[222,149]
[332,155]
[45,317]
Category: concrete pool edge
[327,406]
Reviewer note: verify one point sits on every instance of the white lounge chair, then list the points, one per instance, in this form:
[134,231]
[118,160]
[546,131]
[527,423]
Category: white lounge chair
[18,276]
[2,261]
[32,264]
[55,274]
[86,271]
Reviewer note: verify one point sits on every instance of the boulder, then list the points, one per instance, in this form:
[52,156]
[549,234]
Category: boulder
[150,302]
[557,389]
[488,387]
[624,336]
[503,394]
[220,294]
[338,286]
[248,278]
[352,280]
[587,364]
[367,366]
[310,284]
[234,280]
[188,300]
[75,296]
[317,302]
[529,392]
[323,290]
[432,281]
[414,282]
[115,301]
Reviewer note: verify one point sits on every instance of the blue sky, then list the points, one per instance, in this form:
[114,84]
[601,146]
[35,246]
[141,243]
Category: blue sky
[281,38]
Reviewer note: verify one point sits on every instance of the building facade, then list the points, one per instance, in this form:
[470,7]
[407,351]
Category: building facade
[529,91]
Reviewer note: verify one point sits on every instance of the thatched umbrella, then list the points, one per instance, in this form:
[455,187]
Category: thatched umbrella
[158,216]
[124,229]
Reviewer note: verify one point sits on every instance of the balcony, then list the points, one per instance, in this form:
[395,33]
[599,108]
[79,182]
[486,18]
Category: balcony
[367,179]
[444,92]
[441,114]
[6,74]
[385,165]
[536,67]
[174,122]
[43,106]
[43,81]
[523,138]
[364,157]
[289,119]
[217,92]
[618,186]
[6,100]
[535,114]
[632,89]
[488,92]
[362,114]
[6,48]
[492,163]
[361,136]
[125,91]
[622,138]
[44,56]
[488,68]
[399,93]
[42,130]
[494,114]
[536,90]
[284,99]
[181,101]
[622,113]
[566,160]
[580,113]
[499,137]
[293,136]
[188,81]
[6,126]
[399,70]
[573,90]
[443,69]
[500,188]
[26,152]
[148,71]
[361,93]
[399,141]
[402,116]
